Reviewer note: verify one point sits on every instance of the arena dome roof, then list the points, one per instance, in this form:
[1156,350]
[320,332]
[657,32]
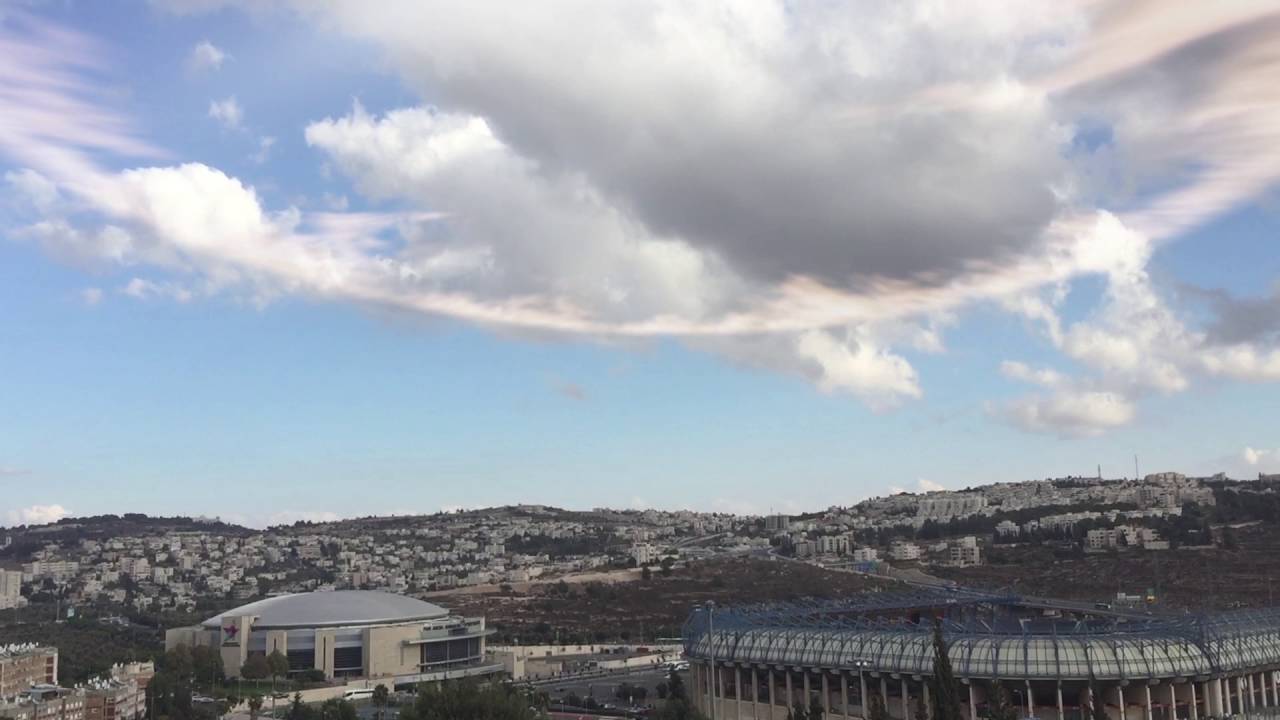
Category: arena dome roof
[340,608]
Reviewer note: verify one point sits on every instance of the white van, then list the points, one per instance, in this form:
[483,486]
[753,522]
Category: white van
[358,694]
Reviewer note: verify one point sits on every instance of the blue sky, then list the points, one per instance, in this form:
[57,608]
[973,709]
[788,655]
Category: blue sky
[273,261]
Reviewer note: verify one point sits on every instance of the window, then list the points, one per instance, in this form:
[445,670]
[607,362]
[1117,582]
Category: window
[301,660]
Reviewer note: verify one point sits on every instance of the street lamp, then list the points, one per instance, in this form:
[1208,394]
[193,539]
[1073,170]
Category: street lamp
[710,607]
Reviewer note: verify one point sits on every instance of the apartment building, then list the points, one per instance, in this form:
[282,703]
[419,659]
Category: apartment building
[25,666]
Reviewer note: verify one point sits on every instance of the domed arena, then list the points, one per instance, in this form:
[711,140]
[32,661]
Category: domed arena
[346,634]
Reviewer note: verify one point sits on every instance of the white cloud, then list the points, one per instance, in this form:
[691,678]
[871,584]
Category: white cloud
[1045,377]
[265,144]
[807,188]
[1070,412]
[37,515]
[205,56]
[91,296]
[930,486]
[1254,456]
[141,289]
[33,189]
[8,471]
[853,363]
[289,517]
[227,112]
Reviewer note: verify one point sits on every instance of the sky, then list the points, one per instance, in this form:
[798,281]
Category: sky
[306,259]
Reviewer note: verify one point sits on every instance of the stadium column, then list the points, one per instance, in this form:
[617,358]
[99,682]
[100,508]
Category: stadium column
[1120,701]
[924,698]
[884,694]
[906,699]
[768,678]
[1146,697]
[1248,686]
[1193,712]
[1062,711]
[807,691]
[790,700]
[844,693]
[755,694]
[1173,702]
[973,703]
[737,691]
[862,681]
[1031,702]
[826,695]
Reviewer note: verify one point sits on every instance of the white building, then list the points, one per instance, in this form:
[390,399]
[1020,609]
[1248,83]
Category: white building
[866,554]
[10,589]
[901,550]
[643,554]
[951,505]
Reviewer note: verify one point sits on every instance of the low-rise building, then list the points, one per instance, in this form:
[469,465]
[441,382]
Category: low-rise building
[902,550]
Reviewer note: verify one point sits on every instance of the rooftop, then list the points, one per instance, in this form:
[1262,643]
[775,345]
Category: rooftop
[339,608]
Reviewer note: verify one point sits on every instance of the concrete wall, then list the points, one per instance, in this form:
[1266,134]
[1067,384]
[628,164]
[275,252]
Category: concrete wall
[386,652]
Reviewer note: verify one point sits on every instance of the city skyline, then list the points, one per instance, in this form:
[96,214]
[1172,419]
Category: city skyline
[287,261]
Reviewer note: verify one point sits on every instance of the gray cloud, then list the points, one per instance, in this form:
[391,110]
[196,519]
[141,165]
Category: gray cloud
[785,143]
[1233,320]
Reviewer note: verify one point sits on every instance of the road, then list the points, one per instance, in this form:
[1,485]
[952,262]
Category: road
[604,689]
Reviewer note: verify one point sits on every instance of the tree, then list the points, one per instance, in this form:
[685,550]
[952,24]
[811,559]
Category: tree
[464,700]
[815,709]
[1097,704]
[255,667]
[206,664]
[1001,706]
[646,574]
[922,712]
[661,689]
[298,711]
[277,666]
[380,697]
[178,662]
[798,712]
[944,690]
[677,705]
[876,709]
[675,686]
[255,705]
[338,709]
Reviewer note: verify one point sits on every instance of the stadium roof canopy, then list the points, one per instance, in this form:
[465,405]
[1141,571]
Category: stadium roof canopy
[877,632]
[341,608]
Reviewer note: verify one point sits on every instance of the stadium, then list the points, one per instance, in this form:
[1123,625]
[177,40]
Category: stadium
[1053,658]
[347,634]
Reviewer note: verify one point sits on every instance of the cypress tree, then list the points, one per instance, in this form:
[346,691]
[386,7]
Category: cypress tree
[944,690]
